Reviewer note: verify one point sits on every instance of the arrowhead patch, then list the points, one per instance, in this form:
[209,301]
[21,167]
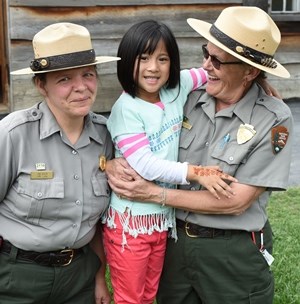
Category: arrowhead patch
[280,136]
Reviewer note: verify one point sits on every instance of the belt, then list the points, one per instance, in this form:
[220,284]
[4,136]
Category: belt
[197,231]
[58,258]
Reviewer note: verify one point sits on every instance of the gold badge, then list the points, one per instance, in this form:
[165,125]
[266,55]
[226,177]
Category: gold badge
[102,162]
[245,133]
[280,136]
[186,124]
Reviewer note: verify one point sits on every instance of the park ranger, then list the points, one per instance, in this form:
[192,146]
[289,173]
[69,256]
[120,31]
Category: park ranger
[224,248]
[52,192]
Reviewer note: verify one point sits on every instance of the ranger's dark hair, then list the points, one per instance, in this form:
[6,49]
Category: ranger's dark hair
[142,38]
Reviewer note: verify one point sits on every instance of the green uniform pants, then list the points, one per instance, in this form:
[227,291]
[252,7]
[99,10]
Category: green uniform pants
[28,283]
[227,269]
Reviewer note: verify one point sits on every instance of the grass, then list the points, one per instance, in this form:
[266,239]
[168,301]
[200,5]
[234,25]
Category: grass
[284,211]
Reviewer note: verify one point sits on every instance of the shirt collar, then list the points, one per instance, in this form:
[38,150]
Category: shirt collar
[242,109]
[49,126]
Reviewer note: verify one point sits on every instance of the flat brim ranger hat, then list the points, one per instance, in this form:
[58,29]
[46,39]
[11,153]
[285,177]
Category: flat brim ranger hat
[62,46]
[247,33]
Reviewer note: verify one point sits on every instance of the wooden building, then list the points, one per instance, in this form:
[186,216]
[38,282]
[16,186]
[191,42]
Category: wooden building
[107,20]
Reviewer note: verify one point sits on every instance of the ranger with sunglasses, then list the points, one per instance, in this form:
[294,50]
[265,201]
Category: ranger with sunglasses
[224,248]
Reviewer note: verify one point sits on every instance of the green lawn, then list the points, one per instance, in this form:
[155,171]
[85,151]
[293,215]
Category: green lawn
[284,211]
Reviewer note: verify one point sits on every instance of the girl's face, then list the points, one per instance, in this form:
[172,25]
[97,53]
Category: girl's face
[153,73]
[70,93]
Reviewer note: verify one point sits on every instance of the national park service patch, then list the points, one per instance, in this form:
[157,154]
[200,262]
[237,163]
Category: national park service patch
[280,136]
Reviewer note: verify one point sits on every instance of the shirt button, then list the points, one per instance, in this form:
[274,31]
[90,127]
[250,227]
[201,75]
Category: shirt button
[231,158]
[74,152]
[76,176]
[207,143]
[74,225]
[40,194]
[77,202]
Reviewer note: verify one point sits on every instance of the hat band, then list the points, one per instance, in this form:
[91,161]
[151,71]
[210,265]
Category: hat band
[63,61]
[247,52]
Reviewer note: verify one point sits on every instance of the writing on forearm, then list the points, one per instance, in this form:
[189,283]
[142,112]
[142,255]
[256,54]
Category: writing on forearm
[202,171]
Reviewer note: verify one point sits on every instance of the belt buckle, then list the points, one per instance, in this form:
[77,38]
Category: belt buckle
[186,228]
[71,251]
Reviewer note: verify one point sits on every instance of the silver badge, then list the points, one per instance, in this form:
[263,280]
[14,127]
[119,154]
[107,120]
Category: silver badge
[245,133]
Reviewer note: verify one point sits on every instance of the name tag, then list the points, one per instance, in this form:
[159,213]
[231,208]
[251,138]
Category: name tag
[42,174]
[186,124]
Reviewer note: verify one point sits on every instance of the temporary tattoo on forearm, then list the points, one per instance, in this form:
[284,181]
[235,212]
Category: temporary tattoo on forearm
[202,171]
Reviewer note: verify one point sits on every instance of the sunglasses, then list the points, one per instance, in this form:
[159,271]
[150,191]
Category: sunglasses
[214,60]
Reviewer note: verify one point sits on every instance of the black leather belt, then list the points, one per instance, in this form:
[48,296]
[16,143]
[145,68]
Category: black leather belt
[197,231]
[58,258]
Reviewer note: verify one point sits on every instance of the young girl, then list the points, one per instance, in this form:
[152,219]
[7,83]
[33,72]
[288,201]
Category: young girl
[145,125]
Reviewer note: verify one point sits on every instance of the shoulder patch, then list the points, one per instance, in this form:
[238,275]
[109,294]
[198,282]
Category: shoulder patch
[280,136]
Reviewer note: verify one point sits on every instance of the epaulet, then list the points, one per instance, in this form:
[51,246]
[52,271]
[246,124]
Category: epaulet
[98,118]
[20,117]
[274,105]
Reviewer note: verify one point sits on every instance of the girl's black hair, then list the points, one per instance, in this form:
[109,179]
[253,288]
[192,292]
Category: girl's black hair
[142,38]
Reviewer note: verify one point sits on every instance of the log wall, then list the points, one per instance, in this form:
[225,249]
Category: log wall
[108,20]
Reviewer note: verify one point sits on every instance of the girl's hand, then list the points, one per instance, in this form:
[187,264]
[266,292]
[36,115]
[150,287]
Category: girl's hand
[213,179]
[102,295]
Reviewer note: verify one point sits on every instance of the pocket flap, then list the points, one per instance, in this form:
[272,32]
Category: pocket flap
[41,189]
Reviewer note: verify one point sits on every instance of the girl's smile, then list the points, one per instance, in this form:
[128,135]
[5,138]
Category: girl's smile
[153,74]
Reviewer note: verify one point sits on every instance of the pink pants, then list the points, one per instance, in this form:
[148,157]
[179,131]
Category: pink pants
[135,270]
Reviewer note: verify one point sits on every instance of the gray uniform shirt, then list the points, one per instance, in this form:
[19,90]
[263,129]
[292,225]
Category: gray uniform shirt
[210,138]
[39,212]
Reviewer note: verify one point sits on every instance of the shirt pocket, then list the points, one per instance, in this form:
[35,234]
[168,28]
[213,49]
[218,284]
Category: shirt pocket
[231,157]
[191,147]
[186,139]
[100,199]
[39,201]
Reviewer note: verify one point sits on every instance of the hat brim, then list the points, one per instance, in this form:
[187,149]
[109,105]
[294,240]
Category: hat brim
[203,28]
[98,60]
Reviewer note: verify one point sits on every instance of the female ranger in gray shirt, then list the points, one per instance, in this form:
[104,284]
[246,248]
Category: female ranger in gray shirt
[224,246]
[52,192]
